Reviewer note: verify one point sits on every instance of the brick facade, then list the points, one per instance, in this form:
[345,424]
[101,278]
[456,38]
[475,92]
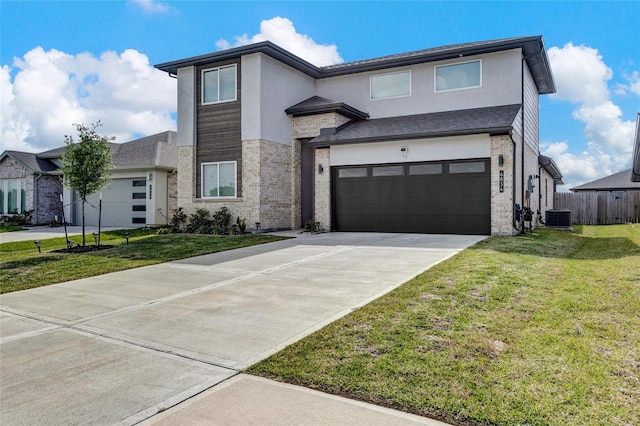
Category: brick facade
[309,126]
[502,202]
[266,180]
[45,188]
[323,189]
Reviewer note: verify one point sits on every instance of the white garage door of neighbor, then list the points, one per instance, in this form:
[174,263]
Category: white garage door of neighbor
[123,204]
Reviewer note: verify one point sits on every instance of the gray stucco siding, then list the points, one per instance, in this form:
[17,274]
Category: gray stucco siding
[270,87]
[500,86]
[186,106]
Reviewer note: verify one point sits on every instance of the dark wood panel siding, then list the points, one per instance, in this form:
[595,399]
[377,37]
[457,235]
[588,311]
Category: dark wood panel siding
[218,129]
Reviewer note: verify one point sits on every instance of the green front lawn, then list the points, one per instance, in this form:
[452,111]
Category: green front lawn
[540,329]
[22,267]
[9,227]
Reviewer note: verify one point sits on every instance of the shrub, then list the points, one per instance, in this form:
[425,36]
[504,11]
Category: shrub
[179,219]
[18,219]
[242,224]
[222,218]
[200,222]
[312,226]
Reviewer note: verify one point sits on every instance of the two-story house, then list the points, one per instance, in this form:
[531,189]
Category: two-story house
[441,140]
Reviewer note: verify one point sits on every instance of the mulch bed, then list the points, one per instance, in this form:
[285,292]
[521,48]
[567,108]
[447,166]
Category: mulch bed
[83,249]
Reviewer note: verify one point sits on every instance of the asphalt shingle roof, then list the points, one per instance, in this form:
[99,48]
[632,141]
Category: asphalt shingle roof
[319,105]
[159,150]
[620,181]
[31,161]
[449,123]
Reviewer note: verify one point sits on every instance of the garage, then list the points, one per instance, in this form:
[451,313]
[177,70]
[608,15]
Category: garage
[124,203]
[443,197]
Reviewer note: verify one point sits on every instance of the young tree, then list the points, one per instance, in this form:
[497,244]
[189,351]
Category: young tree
[86,165]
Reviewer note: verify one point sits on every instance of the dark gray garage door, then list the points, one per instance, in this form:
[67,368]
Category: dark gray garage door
[450,197]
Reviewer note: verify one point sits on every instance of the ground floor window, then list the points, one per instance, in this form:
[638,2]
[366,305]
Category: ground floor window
[219,179]
[13,196]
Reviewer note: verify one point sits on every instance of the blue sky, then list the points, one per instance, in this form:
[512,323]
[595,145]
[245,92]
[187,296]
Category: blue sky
[77,61]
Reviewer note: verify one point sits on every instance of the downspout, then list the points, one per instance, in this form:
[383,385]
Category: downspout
[513,178]
[540,188]
[35,198]
[523,138]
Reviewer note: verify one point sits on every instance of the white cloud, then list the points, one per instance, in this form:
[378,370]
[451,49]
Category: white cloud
[582,78]
[151,6]
[52,90]
[633,85]
[282,32]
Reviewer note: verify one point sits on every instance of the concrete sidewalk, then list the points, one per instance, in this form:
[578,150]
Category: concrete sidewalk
[122,347]
[43,232]
[250,400]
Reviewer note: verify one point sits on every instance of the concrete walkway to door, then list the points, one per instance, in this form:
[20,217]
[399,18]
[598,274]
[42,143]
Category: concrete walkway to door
[122,347]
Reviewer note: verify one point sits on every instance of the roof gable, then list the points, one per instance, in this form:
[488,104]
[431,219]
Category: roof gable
[31,162]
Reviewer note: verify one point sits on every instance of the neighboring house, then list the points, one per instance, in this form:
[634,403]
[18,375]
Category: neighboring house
[142,189]
[635,169]
[442,140]
[617,182]
[30,183]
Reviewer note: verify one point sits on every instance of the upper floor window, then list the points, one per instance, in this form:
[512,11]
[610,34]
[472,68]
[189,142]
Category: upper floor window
[219,84]
[392,85]
[219,179]
[464,75]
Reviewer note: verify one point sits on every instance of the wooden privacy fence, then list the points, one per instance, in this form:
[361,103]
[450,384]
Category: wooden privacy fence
[600,208]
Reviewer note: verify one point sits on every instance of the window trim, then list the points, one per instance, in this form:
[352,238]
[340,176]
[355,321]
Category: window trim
[235,174]
[371,77]
[435,76]
[235,84]
[21,195]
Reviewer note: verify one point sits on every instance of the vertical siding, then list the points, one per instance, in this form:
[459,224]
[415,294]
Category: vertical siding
[218,133]
[531,110]
[600,208]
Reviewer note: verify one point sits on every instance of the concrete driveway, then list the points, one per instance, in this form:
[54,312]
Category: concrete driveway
[121,347]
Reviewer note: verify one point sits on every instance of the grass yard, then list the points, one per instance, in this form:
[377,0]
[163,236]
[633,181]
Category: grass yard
[21,267]
[9,227]
[540,329]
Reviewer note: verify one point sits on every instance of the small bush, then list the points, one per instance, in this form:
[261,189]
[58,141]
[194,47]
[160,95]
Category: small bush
[18,219]
[242,224]
[200,222]
[312,226]
[179,219]
[222,218]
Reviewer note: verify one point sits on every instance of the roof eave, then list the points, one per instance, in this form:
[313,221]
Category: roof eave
[265,47]
[339,107]
[326,141]
[551,167]
[533,49]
